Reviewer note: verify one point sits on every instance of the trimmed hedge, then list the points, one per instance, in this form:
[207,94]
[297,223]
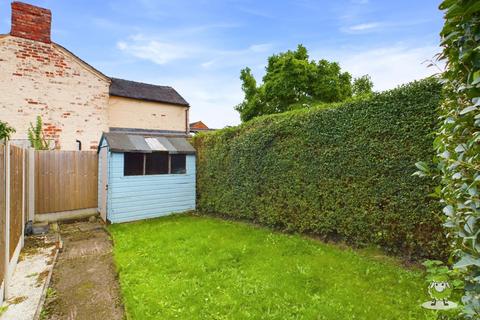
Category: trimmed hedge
[342,173]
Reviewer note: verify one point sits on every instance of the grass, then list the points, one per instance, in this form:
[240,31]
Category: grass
[191,267]
[3,309]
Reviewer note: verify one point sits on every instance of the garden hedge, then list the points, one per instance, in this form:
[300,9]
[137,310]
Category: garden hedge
[343,173]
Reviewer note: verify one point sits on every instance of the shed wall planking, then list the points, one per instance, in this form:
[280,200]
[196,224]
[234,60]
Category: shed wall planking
[141,197]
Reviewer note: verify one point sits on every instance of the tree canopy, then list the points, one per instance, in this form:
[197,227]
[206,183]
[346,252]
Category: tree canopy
[362,86]
[294,81]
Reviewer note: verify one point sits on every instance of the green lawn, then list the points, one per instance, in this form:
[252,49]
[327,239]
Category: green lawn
[190,267]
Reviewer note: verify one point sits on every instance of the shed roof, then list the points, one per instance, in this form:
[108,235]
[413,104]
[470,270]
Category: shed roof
[125,142]
[145,91]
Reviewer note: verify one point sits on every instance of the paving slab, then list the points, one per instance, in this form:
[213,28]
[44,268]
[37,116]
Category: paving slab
[84,283]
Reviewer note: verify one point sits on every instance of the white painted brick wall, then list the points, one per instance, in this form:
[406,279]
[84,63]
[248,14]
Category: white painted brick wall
[43,79]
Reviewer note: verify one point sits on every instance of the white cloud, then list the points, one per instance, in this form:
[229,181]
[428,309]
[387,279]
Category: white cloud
[255,12]
[364,26]
[153,50]
[388,66]
[108,24]
[250,56]
[263,47]
[381,26]
[208,64]
[161,51]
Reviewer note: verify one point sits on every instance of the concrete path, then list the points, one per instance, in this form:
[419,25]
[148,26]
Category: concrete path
[28,284]
[84,284]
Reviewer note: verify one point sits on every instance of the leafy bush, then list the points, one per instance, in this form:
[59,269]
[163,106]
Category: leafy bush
[5,131]
[343,173]
[457,143]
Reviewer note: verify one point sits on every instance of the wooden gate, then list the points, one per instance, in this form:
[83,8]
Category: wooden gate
[65,180]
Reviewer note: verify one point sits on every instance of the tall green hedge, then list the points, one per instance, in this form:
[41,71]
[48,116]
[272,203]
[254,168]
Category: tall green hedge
[343,173]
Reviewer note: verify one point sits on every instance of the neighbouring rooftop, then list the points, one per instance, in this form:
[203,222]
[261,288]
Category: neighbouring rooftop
[199,126]
[145,91]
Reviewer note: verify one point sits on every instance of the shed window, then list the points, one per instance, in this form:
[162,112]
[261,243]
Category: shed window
[156,163]
[139,164]
[133,164]
[177,163]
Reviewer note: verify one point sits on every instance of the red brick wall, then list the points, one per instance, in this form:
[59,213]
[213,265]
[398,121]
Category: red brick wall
[31,22]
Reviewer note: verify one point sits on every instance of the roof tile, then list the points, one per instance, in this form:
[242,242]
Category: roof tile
[144,91]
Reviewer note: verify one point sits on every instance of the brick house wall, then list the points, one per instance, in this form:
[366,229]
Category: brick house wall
[38,77]
[41,78]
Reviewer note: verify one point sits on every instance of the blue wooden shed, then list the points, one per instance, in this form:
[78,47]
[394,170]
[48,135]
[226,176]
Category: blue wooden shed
[144,176]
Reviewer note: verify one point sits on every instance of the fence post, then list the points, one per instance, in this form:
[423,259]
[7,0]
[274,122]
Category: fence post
[24,190]
[31,184]
[7,219]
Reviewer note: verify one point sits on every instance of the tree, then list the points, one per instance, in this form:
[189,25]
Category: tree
[36,137]
[251,105]
[5,131]
[362,86]
[291,81]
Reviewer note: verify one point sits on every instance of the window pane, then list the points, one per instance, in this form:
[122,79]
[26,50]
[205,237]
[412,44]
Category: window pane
[132,164]
[178,163]
[156,163]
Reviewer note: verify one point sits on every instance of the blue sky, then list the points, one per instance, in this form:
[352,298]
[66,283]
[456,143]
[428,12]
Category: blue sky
[199,47]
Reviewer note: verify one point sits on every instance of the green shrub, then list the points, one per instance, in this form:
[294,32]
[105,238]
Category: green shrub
[458,143]
[5,131]
[342,173]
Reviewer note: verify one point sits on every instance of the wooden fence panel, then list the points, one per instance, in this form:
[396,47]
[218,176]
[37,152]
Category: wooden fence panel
[65,180]
[2,213]
[16,196]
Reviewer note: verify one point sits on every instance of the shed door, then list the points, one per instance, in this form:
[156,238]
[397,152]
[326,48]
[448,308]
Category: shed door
[103,183]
